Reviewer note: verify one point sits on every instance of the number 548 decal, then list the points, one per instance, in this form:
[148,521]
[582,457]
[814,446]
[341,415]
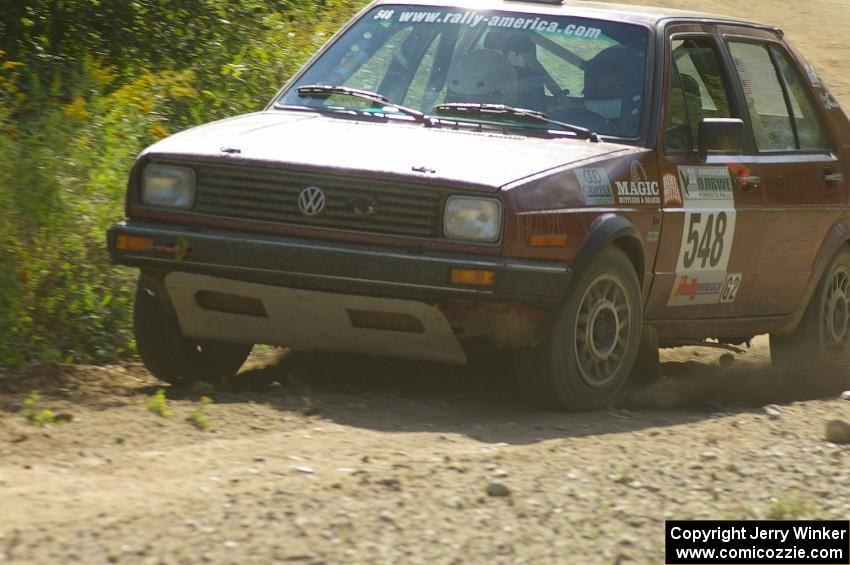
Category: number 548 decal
[701,277]
[707,240]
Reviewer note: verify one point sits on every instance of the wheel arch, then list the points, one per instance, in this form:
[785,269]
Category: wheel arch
[837,238]
[612,230]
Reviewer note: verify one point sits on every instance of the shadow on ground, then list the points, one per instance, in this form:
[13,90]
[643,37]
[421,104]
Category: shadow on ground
[479,400]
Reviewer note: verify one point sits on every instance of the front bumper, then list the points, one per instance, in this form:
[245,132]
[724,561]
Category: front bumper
[338,267]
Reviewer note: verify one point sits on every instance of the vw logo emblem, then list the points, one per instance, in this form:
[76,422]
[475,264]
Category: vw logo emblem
[311,201]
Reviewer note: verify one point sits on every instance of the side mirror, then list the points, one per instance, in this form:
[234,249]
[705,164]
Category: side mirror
[721,135]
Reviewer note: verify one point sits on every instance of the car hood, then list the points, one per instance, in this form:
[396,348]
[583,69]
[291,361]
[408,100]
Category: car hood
[476,159]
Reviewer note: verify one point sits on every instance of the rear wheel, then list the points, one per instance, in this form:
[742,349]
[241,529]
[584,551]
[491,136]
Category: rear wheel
[823,335]
[172,357]
[590,352]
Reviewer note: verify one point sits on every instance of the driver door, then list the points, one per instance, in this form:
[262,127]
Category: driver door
[703,268]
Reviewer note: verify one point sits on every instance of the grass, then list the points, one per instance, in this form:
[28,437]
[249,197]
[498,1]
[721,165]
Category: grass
[199,417]
[34,413]
[158,404]
[793,506]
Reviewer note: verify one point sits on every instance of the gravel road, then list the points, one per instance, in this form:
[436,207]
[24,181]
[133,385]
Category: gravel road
[335,459]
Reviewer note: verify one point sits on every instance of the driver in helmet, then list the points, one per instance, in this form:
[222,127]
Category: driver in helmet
[609,94]
[482,76]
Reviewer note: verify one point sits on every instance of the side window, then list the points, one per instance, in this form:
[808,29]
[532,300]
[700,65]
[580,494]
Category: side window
[807,118]
[765,98]
[783,115]
[697,90]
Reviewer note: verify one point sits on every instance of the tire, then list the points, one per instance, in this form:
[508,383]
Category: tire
[172,357]
[590,352]
[823,335]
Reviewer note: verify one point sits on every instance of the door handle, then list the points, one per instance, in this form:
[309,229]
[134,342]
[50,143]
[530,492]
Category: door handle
[831,176]
[747,183]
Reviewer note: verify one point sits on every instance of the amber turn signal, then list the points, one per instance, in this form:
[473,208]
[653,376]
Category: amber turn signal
[133,242]
[472,277]
[548,240]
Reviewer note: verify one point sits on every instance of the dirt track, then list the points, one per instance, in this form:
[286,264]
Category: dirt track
[330,459]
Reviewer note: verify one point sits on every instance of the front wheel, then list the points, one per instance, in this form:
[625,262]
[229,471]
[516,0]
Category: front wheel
[590,352]
[823,335]
[172,357]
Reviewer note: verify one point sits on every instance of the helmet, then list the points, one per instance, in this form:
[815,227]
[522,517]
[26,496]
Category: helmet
[482,76]
[606,86]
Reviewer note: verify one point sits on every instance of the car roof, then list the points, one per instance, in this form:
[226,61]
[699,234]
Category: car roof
[647,15]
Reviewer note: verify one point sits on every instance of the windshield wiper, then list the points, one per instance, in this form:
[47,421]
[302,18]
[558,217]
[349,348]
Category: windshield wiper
[511,112]
[324,91]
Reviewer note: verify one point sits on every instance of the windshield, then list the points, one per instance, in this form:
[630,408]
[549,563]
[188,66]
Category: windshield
[589,73]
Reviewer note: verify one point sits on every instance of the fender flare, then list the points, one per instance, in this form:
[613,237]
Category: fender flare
[604,231]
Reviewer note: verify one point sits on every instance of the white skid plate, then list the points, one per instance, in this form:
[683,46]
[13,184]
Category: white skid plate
[311,320]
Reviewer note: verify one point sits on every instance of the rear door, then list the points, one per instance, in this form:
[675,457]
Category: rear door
[705,261]
[797,164]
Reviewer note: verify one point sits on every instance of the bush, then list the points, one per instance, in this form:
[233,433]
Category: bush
[79,98]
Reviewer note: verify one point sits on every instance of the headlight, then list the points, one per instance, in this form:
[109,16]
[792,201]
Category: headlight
[476,219]
[165,185]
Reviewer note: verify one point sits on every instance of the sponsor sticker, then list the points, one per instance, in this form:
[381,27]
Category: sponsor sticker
[596,186]
[708,235]
[672,194]
[705,289]
[828,100]
[706,183]
[473,19]
[697,290]
[638,190]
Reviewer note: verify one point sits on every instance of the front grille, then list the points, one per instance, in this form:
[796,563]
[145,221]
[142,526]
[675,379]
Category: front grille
[271,195]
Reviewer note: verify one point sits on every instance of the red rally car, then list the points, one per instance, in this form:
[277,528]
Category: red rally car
[580,183]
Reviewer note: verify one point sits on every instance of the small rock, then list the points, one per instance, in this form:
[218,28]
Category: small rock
[230,544]
[708,456]
[386,516]
[64,417]
[845,395]
[838,431]
[726,360]
[20,438]
[498,489]
[392,484]
[773,412]
[305,469]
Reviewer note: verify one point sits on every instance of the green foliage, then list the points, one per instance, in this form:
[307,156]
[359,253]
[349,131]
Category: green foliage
[84,86]
[791,506]
[34,413]
[158,404]
[199,417]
